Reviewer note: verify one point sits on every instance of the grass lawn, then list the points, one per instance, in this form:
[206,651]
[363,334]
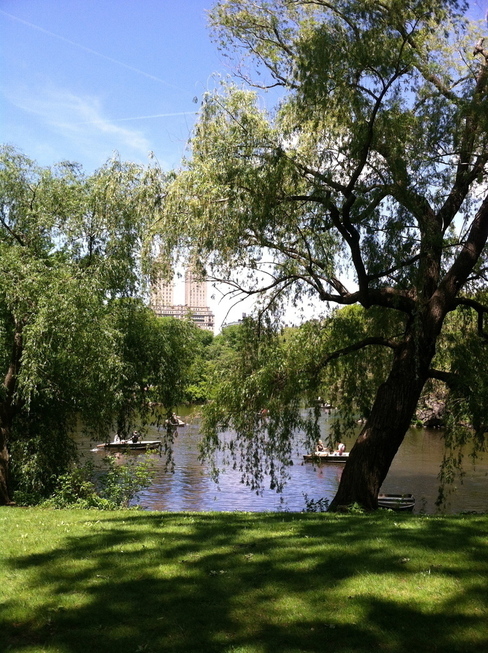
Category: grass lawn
[87,581]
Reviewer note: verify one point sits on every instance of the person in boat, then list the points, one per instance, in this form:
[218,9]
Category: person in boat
[117,438]
[174,420]
[341,448]
[320,446]
[135,437]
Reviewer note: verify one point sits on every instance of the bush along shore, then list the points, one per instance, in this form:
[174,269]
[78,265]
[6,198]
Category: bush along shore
[73,581]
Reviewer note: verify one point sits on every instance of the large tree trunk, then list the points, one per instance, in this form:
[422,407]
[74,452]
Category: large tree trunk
[396,400]
[384,431]
[8,409]
[4,491]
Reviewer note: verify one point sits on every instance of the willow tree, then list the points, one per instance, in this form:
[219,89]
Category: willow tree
[70,268]
[366,184]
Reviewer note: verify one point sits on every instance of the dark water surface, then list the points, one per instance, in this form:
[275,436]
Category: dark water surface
[415,469]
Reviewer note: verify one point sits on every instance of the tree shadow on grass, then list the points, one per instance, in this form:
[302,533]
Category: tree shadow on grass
[255,583]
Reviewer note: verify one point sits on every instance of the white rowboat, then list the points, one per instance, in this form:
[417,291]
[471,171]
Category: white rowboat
[123,445]
[400,502]
[326,457]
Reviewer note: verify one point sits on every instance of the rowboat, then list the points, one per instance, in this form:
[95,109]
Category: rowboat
[326,457]
[123,445]
[175,420]
[400,502]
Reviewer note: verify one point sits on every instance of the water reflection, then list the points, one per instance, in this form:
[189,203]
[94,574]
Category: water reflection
[415,468]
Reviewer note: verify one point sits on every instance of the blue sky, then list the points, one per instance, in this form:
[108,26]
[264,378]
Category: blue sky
[84,78]
[80,79]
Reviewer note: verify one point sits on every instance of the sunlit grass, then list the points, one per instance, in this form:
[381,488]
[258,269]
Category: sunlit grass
[81,581]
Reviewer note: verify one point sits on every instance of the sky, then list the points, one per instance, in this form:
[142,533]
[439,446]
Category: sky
[81,80]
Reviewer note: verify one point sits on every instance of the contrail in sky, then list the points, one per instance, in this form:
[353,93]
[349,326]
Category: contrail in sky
[97,54]
[157,115]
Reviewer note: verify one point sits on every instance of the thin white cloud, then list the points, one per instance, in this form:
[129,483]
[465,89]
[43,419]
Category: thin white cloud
[156,115]
[90,50]
[79,119]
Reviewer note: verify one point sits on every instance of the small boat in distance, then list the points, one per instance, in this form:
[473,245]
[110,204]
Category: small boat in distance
[326,457]
[399,502]
[124,445]
[174,420]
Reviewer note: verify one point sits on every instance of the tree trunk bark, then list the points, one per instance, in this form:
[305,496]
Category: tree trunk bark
[8,409]
[384,431]
[396,400]
[4,491]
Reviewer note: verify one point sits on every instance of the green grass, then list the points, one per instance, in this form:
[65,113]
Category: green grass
[86,581]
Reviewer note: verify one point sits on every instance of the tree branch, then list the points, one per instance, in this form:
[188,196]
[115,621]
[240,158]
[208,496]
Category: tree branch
[357,346]
[13,233]
[473,125]
[479,308]
[466,259]
[453,381]
[403,264]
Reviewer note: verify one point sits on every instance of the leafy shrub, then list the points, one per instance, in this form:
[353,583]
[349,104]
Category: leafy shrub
[121,483]
[110,489]
[319,505]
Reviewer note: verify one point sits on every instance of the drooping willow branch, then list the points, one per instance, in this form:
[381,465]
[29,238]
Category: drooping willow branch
[480,309]
[357,346]
[452,380]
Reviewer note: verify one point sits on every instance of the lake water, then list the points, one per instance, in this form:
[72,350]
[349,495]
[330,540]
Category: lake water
[415,469]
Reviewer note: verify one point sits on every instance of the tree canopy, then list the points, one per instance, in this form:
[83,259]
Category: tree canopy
[365,184]
[76,340]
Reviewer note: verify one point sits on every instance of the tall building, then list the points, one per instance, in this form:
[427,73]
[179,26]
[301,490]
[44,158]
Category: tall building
[195,306]
[195,290]
[162,294]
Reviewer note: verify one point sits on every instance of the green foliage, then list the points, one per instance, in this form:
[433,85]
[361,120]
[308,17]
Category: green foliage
[157,355]
[254,390]
[196,390]
[77,343]
[109,489]
[316,505]
[41,450]
[364,185]
[76,489]
[275,373]
[463,356]
[122,482]
[350,380]
[353,86]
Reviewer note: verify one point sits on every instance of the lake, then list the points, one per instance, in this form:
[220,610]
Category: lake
[415,469]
